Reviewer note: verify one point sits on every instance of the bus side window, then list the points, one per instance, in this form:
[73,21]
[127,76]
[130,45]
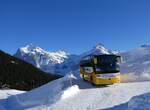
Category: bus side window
[88,69]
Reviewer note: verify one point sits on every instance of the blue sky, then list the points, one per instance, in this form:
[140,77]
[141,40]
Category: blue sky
[74,25]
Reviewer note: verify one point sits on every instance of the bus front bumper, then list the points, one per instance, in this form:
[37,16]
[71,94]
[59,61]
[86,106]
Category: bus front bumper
[106,81]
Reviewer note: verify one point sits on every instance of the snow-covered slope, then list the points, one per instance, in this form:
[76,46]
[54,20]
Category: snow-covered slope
[69,93]
[7,93]
[137,63]
[50,93]
[4,94]
[139,102]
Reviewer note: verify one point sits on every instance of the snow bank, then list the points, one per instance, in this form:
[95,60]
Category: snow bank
[4,94]
[70,92]
[141,102]
[64,94]
[7,93]
[99,98]
[48,94]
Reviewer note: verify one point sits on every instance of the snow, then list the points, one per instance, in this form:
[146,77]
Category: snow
[141,102]
[50,93]
[4,94]
[7,93]
[135,66]
[47,61]
[69,93]
[97,50]
[34,50]
[55,57]
[102,98]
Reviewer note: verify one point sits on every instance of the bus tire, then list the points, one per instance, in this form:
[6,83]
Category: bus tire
[83,78]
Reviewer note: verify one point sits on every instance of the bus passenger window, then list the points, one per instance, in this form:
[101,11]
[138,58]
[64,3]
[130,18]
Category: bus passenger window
[88,69]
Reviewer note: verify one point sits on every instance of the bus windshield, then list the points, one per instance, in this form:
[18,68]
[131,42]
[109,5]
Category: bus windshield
[107,64]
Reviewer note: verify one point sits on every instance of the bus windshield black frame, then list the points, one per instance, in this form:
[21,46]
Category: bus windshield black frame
[107,64]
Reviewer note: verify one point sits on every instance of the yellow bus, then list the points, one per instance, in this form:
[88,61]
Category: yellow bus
[100,69]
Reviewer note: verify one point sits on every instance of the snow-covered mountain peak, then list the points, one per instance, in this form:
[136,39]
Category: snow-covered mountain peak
[100,49]
[60,52]
[99,46]
[41,58]
[60,61]
[97,50]
[31,48]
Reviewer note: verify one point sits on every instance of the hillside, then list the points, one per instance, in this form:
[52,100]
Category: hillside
[18,74]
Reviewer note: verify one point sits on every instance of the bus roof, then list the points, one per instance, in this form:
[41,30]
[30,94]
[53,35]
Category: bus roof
[100,55]
[88,58]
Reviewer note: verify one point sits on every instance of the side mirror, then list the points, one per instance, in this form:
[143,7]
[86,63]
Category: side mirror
[119,59]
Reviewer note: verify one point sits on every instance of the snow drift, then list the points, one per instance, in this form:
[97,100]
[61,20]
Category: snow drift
[7,93]
[50,93]
[139,102]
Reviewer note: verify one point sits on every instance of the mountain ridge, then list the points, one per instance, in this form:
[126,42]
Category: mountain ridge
[134,61]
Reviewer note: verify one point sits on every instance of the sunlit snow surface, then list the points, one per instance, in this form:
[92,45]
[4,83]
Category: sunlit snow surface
[9,92]
[5,94]
[69,93]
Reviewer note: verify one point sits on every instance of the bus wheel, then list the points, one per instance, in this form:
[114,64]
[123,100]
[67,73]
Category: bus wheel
[93,84]
[84,78]
[91,78]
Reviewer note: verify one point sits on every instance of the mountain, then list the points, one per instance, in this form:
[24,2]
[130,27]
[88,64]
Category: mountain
[80,95]
[60,62]
[98,49]
[73,93]
[54,62]
[18,74]
[135,66]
